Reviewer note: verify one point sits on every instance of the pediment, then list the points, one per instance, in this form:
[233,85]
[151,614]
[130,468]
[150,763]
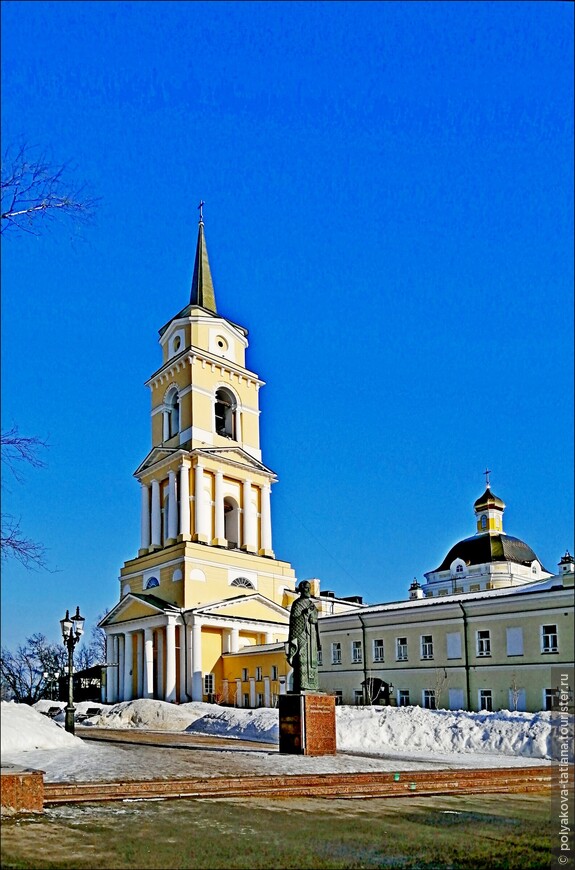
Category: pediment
[156,455]
[255,607]
[235,456]
[134,606]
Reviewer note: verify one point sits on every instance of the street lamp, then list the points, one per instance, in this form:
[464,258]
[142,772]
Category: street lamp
[72,630]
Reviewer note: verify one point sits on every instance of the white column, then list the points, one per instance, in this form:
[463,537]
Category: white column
[160,663]
[226,640]
[197,688]
[268,637]
[145,518]
[239,698]
[249,541]
[172,506]
[116,669]
[182,683]
[220,531]
[225,690]
[156,515]
[252,692]
[200,505]
[239,436]
[267,693]
[185,500]
[121,650]
[234,640]
[266,522]
[170,660]
[128,666]
[148,663]
[165,425]
[140,664]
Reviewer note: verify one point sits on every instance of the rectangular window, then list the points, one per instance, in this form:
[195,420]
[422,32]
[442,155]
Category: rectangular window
[245,674]
[336,654]
[514,641]
[378,650]
[356,652]
[401,649]
[453,645]
[358,697]
[403,698]
[551,699]
[485,699]
[427,647]
[483,643]
[429,699]
[338,696]
[549,639]
[209,687]
[260,699]
[455,699]
[246,700]
[258,673]
[319,657]
[274,672]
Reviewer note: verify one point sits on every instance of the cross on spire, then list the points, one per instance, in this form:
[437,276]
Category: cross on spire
[201,205]
[487,472]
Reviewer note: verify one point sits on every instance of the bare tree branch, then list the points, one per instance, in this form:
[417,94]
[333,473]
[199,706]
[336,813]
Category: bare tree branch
[16,450]
[35,191]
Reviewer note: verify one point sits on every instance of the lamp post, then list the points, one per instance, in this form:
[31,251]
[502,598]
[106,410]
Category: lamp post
[72,630]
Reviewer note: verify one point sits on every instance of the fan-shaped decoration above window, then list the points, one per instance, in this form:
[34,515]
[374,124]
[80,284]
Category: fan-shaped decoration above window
[153,581]
[243,582]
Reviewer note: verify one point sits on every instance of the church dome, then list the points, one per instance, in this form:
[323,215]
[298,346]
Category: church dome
[481,549]
[488,500]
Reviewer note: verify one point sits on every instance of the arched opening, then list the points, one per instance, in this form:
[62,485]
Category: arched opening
[232,522]
[243,583]
[171,414]
[225,413]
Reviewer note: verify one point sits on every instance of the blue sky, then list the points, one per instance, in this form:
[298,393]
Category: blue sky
[389,211]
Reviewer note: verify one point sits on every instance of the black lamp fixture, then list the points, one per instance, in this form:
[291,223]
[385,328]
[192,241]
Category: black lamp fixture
[72,631]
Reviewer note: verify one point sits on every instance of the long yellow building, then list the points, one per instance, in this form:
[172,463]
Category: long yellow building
[203,608]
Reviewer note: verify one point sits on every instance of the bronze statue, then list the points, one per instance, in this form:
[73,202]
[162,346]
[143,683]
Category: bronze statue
[303,640]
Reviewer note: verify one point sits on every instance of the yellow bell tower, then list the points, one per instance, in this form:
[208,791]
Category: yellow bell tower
[205,580]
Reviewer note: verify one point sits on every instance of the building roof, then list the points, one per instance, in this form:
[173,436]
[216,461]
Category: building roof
[202,291]
[480,549]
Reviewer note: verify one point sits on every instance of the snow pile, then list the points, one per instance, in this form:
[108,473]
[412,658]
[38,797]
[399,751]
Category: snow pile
[375,730]
[258,725]
[24,728]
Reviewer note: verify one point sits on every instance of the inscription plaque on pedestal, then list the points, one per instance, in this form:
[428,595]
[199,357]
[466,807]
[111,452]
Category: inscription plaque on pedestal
[307,724]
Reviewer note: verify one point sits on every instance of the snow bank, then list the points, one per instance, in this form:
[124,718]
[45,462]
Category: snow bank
[24,728]
[413,729]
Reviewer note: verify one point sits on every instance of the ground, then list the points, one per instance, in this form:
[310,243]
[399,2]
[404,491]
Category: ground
[472,831]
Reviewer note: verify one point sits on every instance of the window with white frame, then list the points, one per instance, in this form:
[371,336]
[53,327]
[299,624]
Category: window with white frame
[358,697]
[356,652]
[549,639]
[209,684]
[403,698]
[429,699]
[274,672]
[426,646]
[260,699]
[485,699]
[319,657]
[483,643]
[336,654]
[378,650]
[258,673]
[401,649]
[245,674]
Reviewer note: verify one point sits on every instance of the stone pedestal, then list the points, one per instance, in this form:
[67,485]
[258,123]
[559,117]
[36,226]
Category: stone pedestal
[22,789]
[307,724]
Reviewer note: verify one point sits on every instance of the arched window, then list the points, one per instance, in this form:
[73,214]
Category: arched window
[152,582]
[232,522]
[171,414]
[243,582]
[483,521]
[225,413]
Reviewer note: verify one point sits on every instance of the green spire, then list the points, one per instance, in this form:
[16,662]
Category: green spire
[202,292]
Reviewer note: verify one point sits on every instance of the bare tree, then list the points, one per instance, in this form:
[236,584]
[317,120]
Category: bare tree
[18,450]
[36,191]
[441,681]
[22,672]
